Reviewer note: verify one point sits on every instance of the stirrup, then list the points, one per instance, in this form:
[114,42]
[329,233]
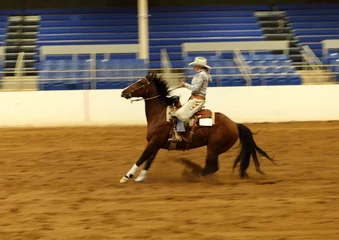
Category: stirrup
[175,139]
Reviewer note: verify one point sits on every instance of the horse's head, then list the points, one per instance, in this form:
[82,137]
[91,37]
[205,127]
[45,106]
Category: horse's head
[141,88]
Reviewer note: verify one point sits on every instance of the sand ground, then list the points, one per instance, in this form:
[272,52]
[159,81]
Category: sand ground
[62,183]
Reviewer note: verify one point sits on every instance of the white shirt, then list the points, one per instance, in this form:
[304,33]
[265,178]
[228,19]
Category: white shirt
[199,83]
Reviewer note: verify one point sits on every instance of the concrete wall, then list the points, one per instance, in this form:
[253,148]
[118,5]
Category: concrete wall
[105,107]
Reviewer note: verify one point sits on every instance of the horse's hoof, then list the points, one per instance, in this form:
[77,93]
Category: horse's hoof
[141,177]
[123,180]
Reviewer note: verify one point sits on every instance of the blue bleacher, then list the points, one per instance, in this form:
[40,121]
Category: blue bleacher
[3,24]
[314,23]
[272,69]
[75,74]
[266,69]
[167,29]
[333,62]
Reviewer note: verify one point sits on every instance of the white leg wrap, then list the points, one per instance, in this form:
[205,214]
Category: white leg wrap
[129,174]
[132,171]
[141,176]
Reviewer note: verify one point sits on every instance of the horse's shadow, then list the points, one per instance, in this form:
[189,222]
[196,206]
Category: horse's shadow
[192,171]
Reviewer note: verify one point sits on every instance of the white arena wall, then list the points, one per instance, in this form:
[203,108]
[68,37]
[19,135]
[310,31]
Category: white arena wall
[250,104]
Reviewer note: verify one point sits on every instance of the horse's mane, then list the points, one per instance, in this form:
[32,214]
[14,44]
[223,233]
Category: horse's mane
[161,86]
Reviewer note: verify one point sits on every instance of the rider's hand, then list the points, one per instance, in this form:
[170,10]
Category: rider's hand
[182,84]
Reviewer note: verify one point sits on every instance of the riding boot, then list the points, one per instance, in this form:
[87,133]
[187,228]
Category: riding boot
[175,136]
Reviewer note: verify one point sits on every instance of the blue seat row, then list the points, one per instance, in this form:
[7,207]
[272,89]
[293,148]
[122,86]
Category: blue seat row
[317,38]
[269,63]
[152,22]
[325,31]
[312,12]
[87,17]
[275,70]
[260,57]
[103,23]
[324,18]
[152,42]
[104,36]
[308,6]
[152,29]
[313,25]
[80,69]
[152,10]
[315,45]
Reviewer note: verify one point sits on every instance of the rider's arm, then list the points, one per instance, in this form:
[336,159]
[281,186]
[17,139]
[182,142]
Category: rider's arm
[196,83]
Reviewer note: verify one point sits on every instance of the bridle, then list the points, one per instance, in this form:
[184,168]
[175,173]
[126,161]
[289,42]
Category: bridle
[136,99]
[141,98]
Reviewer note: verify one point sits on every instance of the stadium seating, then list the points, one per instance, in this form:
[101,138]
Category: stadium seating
[266,69]
[167,29]
[333,62]
[269,69]
[313,25]
[3,25]
[76,74]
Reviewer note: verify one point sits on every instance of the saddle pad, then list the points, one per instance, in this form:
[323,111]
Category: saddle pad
[190,122]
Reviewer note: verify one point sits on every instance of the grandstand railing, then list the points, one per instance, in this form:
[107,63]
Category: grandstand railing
[311,58]
[19,70]
[243,67]
[171,78]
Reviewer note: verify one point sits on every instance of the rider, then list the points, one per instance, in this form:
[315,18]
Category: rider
[198,87]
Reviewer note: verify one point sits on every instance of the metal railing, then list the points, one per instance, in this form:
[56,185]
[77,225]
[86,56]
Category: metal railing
[243,67]
[92,78]
[311,59]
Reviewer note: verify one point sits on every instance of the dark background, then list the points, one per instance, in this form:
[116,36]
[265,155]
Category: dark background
[39,4]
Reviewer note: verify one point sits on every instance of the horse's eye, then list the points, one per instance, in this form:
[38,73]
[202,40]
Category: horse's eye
[140,83]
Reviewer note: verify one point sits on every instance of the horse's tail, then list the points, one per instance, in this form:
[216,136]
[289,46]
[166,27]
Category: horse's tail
[248,148]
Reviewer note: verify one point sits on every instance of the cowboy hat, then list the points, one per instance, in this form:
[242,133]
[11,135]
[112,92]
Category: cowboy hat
[200,61]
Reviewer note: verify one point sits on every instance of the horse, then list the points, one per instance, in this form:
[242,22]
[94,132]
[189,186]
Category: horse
[218,138]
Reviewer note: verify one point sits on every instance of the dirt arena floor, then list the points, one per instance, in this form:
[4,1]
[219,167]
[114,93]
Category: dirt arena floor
[63,184]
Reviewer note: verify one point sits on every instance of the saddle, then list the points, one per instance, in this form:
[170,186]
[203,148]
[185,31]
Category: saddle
[203,118]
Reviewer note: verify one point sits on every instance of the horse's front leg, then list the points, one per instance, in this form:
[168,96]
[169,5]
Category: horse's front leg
[149,153]
[143,173]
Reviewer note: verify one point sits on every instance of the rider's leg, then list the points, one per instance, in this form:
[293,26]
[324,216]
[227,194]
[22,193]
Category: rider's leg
[189,109]
[184,114]
[175,136]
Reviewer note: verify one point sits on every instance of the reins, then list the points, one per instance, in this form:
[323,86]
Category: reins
[150,98]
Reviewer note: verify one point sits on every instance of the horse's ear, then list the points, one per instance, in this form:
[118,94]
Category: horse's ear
[153,75]
[148,76]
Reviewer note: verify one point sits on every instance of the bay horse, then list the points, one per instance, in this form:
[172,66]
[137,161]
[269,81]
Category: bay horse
[218,138]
